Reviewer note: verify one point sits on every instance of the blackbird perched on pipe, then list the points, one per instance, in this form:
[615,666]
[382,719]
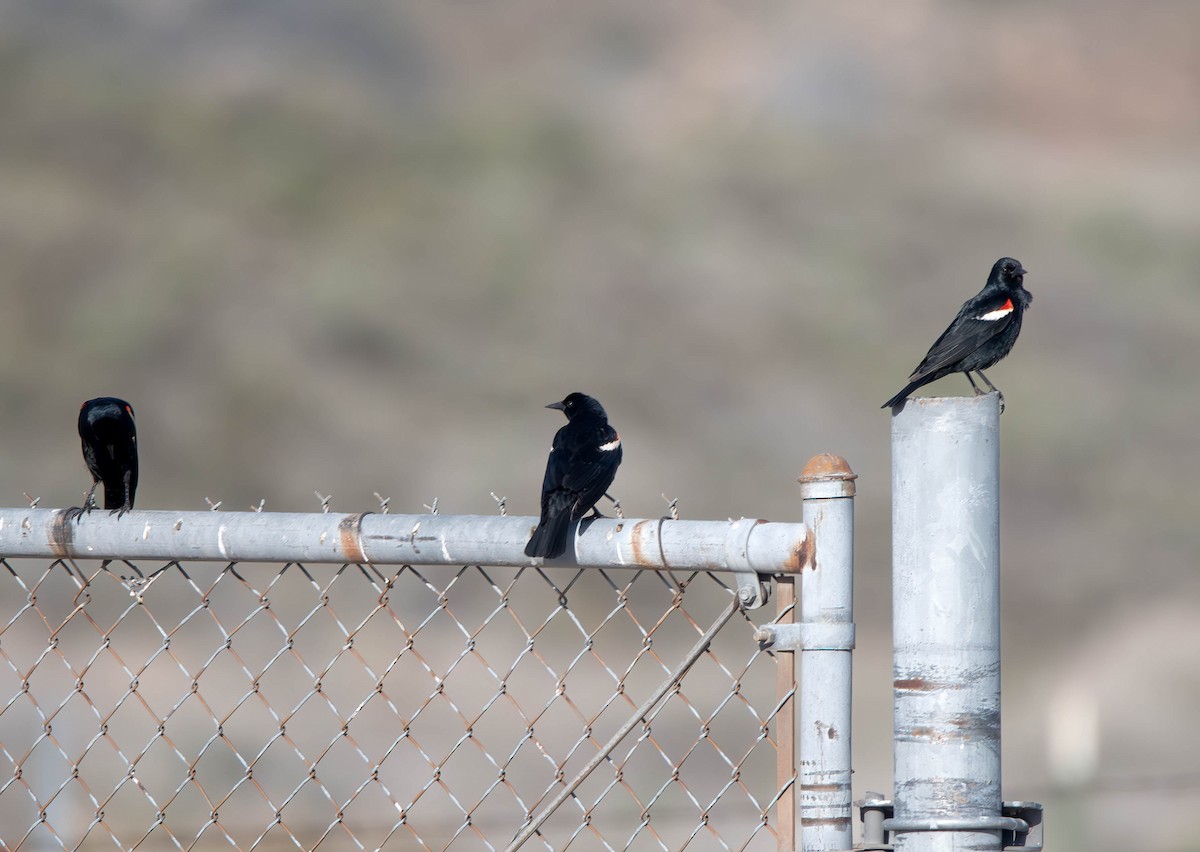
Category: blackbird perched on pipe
[109,437]
[984,331]
[582,465]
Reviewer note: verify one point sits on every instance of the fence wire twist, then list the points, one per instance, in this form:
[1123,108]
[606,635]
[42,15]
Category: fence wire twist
[258,706]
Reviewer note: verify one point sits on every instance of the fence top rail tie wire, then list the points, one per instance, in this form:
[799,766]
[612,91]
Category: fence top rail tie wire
[433,539]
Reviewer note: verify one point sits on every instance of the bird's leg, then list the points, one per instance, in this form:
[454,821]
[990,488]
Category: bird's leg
[616,503]
[987,381]
[974,386]
[995,389]
[596,512]
[89,503]
[128,498]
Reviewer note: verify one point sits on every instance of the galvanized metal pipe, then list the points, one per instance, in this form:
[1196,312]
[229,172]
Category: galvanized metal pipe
[946,624]
[652,543]
[785,722]
[827,612]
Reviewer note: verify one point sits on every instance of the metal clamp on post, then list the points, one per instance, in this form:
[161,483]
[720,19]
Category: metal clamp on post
[807,636]
[828,485]
[751,591]
[873,810]
[1029,813]
[1020,825]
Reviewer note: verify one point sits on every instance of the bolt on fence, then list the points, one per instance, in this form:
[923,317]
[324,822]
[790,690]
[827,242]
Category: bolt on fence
[265,680]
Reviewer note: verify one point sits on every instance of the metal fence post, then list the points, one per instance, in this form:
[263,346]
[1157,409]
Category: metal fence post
[827,622]
[785,720]
[946,625]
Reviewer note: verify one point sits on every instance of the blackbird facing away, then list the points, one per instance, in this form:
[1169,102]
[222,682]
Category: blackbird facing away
[109,438]
[583,462]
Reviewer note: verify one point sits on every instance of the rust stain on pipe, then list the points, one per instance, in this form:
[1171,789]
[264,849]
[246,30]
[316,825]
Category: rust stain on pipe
[829,467]
[62,534]
[923,732]
[350,538]
[920,684]
[639,550]
[802,557]
[838,822]
[826,466]
[964,731]
[822,788]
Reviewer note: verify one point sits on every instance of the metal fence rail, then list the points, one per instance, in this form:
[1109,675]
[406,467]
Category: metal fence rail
[655,543]
[270,681]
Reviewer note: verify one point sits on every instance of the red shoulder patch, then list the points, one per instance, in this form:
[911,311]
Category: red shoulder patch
[1000,312]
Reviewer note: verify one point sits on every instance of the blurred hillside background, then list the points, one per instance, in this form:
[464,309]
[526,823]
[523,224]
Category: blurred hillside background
[355,247]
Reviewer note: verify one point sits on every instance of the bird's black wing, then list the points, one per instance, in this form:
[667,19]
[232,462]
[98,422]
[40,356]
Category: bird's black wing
[591,467]
[582,464]
[981,318]
[109,436]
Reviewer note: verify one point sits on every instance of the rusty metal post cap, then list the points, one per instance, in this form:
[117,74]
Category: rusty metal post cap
[826,475]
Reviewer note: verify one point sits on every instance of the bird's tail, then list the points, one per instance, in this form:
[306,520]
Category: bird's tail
[550,537]
[114,494]
[903,395]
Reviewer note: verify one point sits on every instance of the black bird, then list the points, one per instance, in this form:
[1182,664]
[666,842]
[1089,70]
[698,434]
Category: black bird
[583,462]
[983,332]
[109,438]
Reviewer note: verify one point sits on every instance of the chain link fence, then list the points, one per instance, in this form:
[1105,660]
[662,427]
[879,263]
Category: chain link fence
[185,703]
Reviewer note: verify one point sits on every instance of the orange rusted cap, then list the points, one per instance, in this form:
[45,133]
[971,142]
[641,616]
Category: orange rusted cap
[828,467]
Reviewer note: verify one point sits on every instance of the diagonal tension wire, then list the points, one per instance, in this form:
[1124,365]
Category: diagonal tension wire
[667,685]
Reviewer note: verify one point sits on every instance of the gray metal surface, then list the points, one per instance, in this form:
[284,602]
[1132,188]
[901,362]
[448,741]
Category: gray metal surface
[946,624]
[1020,824]
[812,636]
[827,615]
[653,543]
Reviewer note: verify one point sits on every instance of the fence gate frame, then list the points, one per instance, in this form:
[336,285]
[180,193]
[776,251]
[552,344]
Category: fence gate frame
[760,556]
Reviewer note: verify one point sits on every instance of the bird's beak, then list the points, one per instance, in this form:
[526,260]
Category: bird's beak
[558,406]
[1022,271]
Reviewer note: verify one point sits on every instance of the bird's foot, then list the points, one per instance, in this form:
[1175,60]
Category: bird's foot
[120,510]
[76,513]
[1001,396]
